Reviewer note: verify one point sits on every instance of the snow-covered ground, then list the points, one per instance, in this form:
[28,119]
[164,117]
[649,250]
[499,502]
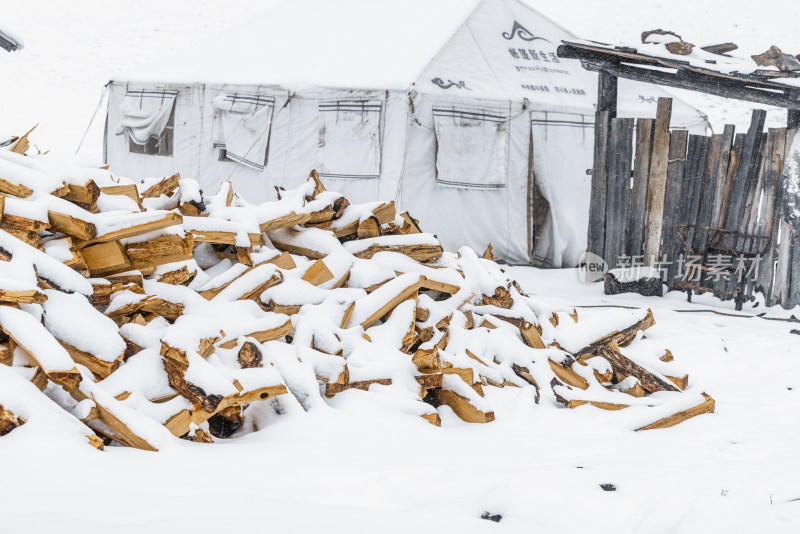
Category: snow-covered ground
[360,467]
[357,466]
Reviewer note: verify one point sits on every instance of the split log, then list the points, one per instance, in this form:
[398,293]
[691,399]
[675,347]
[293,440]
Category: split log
[196,395]
[571,340]
[160,251]
[137,224]
[368,310]
[421,247]
[30,296]
[166,186]
[262,336]
[83,195]
[72,226]
[8,421]
[318,273]
[332,389]
[106,258]
[128,435]
[178,277]
[129,190]
[567,375]
[40,346]
[461,405]
[250,355]
[707,406]
[624,367]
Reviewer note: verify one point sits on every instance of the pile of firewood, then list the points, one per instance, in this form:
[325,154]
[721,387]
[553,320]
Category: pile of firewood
[145,312]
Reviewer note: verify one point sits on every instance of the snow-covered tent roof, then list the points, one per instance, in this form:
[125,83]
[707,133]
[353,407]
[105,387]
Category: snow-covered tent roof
[364,44]
[428,45]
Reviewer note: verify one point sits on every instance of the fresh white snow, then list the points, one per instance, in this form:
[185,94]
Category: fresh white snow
[357,463]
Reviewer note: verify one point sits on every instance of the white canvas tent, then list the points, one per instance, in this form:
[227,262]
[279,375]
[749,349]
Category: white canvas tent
[459,110]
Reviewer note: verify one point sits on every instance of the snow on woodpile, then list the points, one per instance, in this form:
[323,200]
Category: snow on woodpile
[148,312]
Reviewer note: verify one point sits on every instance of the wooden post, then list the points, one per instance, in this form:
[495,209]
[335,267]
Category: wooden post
[607,93]
[674,199]
[597,207]
[746,174]
[692,180]
[793,119]
[771,219]
[641,170]
[606,110]
[793,282]
[618,192]
[721,176]
[654,213]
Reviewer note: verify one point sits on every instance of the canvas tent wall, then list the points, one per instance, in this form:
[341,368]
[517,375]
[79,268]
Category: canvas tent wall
[458,109]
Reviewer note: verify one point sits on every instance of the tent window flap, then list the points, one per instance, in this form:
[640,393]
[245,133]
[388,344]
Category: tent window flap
[242,125]
[471,146]
[350,138]
[147,119]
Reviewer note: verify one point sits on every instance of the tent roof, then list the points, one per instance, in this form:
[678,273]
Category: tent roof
[365,44]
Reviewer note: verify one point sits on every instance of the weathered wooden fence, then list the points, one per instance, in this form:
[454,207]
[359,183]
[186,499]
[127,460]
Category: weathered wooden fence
[707,211]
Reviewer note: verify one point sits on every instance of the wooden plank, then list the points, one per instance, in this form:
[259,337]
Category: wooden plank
[701,80]
[618,192]
[689,188]
[673,197]
[782,278]
[638,194]
[749,219]
[746,171]
[721,175]
[656,183]
[597,207]
[699,236]
[770,223]
[794,278]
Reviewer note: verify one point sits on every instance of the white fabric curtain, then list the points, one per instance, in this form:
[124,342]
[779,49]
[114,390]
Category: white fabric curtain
[562,152]
[350,138]
[145,114]
[471,146]
[242,125]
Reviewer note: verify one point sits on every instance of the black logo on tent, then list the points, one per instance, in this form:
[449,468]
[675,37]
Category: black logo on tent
[450,83]
[520,31]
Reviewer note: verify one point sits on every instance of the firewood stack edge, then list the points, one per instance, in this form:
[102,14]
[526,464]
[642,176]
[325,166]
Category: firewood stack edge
[138,313]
